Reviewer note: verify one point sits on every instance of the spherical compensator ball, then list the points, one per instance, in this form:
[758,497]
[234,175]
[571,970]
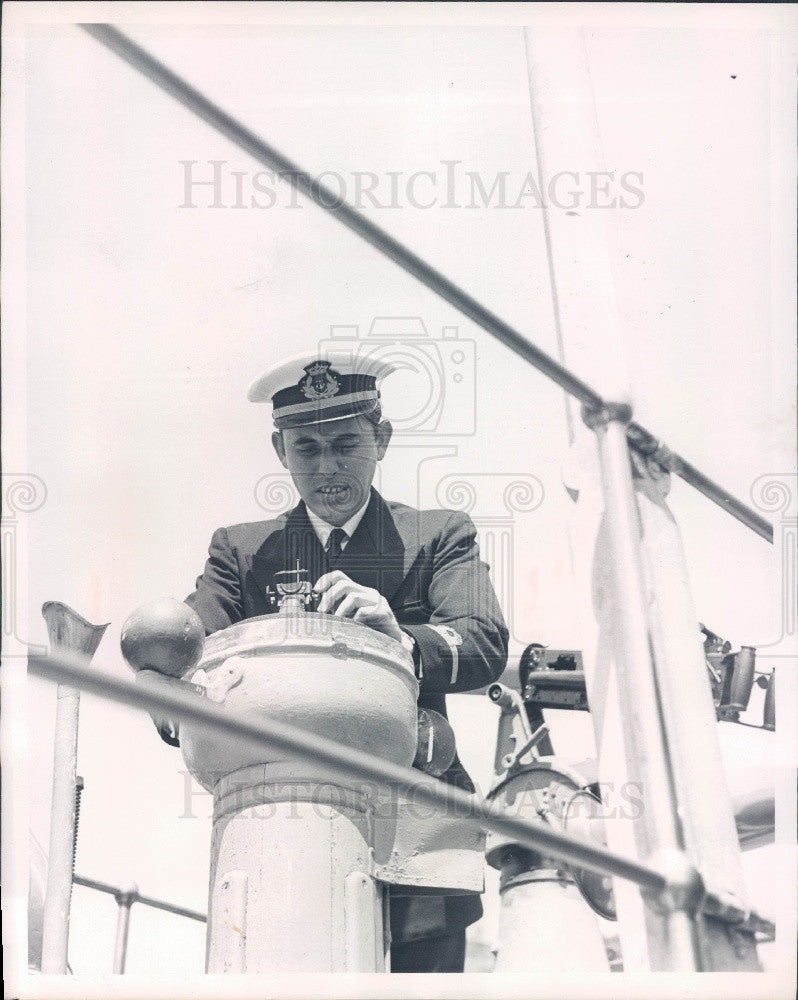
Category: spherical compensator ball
[435,750]
[166,636]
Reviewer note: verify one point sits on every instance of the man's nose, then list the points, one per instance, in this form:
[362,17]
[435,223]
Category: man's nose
[330,463]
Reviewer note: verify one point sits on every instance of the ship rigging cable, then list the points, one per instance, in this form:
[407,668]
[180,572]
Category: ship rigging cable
[71,669]
[638,437]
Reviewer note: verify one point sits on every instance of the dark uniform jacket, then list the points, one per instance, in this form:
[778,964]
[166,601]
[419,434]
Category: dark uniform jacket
[426,564]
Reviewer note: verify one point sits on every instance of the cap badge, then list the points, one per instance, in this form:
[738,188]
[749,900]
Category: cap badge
[320,382]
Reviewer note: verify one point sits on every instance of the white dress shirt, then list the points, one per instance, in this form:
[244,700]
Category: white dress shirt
[323,529]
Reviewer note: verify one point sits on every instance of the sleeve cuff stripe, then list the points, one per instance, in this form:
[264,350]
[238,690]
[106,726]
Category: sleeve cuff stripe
[443,633]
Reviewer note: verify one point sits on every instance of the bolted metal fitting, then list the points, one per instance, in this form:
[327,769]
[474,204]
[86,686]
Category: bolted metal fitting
[727,907]
[127,894]
[684,887]
[607,413]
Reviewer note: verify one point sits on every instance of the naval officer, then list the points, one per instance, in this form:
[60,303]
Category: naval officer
[414,575]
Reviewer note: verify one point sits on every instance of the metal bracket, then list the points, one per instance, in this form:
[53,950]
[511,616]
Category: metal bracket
[651,460]
[600,416]
[684,887]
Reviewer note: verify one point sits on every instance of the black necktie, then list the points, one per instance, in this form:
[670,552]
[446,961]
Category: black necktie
[334,544]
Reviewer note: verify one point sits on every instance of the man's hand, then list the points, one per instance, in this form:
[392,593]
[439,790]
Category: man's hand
[343,597]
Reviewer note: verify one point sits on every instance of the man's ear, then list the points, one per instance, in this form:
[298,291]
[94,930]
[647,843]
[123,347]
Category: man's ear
[383,433]
[279,447]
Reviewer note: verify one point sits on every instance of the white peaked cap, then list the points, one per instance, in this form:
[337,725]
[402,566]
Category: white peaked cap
[318,386]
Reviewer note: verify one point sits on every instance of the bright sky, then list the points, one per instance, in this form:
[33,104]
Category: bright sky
[147,319]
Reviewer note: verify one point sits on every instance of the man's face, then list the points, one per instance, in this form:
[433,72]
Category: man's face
[332,464]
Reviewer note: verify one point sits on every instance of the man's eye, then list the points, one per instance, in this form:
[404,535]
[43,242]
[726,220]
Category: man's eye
[347,449]
[306,450]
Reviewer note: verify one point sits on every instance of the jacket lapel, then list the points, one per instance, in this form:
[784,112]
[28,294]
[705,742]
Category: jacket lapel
[296,540]
[377,555]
